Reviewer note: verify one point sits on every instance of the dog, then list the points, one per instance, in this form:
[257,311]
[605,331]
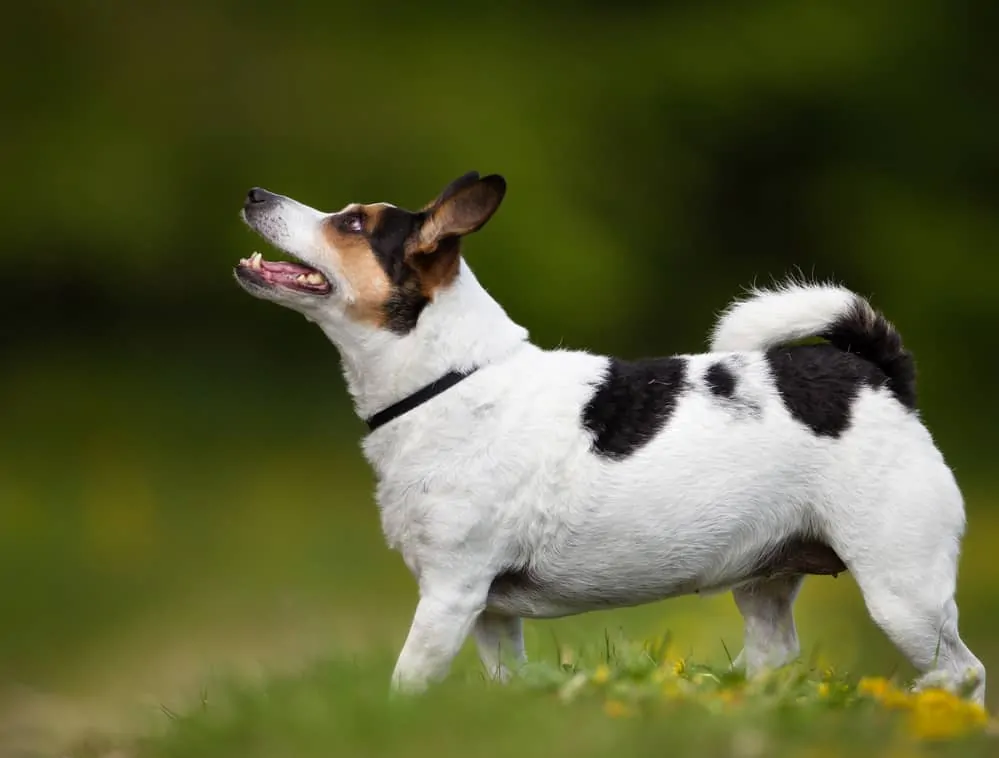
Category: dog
[518,482]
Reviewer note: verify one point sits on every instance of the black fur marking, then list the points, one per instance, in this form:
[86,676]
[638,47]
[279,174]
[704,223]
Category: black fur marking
[819,383]
[632,403]
[388,242]
[720,380]
[870,335]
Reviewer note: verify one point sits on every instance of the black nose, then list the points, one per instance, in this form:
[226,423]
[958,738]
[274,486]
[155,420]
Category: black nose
[256,196]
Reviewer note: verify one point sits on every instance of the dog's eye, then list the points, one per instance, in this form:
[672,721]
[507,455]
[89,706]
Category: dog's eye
[353,222]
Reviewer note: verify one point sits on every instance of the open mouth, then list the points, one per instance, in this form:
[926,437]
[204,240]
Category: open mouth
[287,274]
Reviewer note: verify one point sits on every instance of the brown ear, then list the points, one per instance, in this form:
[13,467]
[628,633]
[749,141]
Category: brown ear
[463,181]
[463,207]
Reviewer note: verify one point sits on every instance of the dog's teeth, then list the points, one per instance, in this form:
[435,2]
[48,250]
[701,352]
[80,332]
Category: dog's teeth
[314,278]
[255,260]
[302,279]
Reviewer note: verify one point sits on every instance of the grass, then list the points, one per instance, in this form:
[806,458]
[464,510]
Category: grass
[621,699]
[162,536]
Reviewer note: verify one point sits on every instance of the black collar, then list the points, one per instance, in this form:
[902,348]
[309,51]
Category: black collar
[417,399]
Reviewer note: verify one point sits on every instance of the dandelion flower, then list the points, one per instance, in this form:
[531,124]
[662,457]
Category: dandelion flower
[875,687]
[938,714]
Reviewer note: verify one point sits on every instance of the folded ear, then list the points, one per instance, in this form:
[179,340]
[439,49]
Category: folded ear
[463,207]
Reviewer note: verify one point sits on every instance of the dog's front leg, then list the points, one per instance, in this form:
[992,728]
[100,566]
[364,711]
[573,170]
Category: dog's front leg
[449,606]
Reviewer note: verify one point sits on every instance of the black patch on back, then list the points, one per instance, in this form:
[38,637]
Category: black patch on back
[388,242]
[720,380]
[632,403]
[819,384]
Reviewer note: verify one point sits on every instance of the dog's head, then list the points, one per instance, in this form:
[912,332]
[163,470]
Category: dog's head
[376,264]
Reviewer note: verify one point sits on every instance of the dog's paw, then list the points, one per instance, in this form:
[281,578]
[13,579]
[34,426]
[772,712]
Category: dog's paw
[970,686]
[403,686]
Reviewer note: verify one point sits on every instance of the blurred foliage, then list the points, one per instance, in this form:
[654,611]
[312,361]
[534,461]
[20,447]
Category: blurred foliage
[660,156]
[164,435]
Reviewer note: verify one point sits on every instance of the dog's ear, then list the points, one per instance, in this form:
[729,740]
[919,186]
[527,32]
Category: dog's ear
[463,181]
[463,207]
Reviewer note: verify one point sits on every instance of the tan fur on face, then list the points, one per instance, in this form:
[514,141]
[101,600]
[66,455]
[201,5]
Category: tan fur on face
[371,286]
[437,269]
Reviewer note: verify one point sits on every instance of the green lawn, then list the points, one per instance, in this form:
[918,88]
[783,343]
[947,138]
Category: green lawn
[618,699]
[186,578]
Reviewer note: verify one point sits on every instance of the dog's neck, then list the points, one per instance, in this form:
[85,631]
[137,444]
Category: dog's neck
[461,329]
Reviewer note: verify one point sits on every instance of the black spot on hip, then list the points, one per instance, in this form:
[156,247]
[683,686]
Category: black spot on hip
[819,384]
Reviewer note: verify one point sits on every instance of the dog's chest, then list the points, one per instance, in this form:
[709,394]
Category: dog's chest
[430,523]
[404,520]
[480,497]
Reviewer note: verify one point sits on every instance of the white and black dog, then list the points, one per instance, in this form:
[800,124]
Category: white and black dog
[521,483]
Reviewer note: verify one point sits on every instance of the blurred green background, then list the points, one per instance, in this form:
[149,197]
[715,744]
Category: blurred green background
[180,485]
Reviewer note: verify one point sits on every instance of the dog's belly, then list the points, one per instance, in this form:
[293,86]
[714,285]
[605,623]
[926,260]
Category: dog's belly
[564,593]
[521,593]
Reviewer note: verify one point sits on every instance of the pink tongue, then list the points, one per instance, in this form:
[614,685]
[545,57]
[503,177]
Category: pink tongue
[285,267]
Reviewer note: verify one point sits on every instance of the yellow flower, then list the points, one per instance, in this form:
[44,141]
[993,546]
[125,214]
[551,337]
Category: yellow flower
[823,689]
[937,714]
[616,709]
[679,668]
[601,674]
[875,687]
[884,692]
[895,698]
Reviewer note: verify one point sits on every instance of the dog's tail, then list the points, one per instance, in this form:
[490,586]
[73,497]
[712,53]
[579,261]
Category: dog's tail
[796,311]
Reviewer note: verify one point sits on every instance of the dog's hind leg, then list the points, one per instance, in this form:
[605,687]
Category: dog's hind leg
[499,638]
[771,639]
[903,553]
[914,605]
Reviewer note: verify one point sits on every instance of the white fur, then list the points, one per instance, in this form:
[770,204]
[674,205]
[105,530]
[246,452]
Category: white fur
[497,474]
[791,311]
